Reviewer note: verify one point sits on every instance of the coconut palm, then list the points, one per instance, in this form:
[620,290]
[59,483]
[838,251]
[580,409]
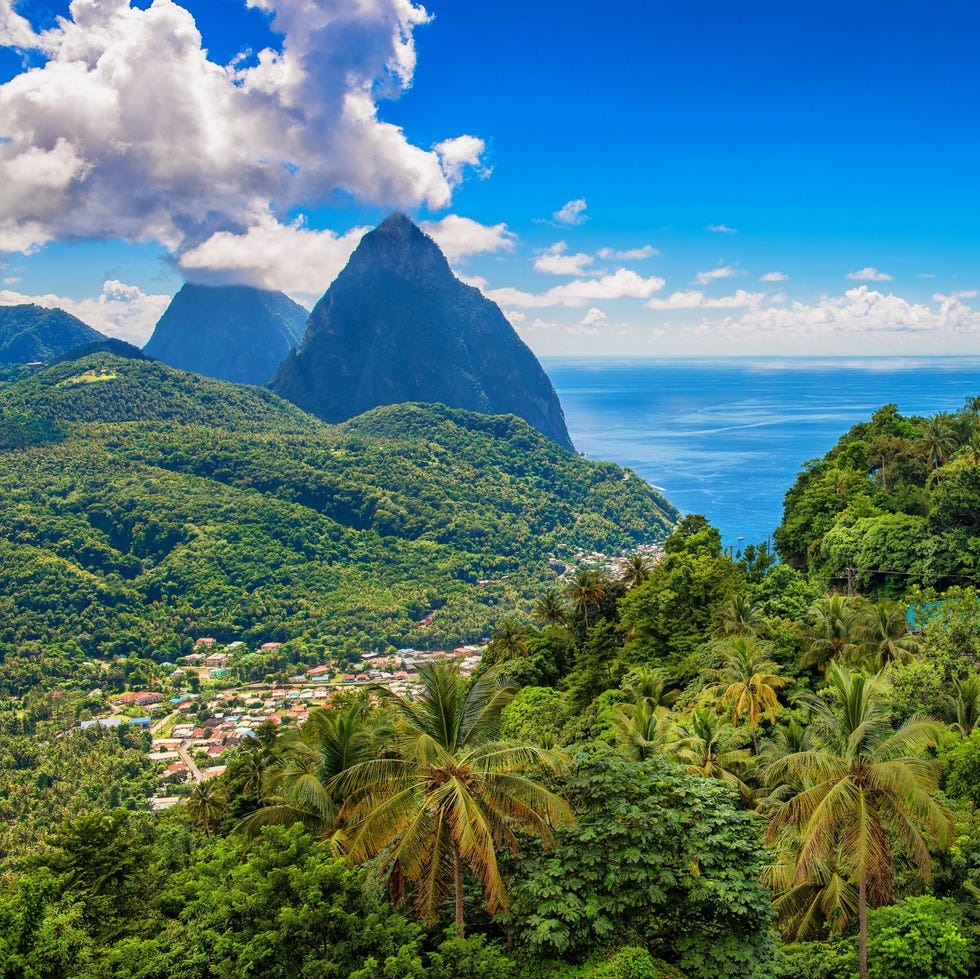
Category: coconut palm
[509,641]
[866,788]
[937,440]
[635,571]
[832,629]
[710,746]
[449,794]
[300,784]
[807,909]
[550,609]
[646,685]
[206,804]
[586,590]
[747,683]
[642,729]
[739,616]
[967,704]
[883,635]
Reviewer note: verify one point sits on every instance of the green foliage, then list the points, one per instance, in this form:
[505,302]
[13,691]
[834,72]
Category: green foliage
[656,859]
[897,499]
[962,777]
[918,938]
[176,506]
[633,962]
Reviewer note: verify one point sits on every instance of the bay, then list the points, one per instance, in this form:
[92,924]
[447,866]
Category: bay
[727,437]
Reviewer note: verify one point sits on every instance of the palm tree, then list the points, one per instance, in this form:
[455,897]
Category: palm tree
[509,641]
[300,785]
[967,704]
[883,635]
[739,616]
[550,609]
[747,682]
[832,629]
[206,804]
[866,786]
[644,730]
[712,747]
[646,685]
[806,909]
[449,793]
[937,440]
[635,571]
[586,590]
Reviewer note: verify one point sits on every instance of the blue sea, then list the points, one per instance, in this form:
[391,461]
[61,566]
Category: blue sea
[726,437]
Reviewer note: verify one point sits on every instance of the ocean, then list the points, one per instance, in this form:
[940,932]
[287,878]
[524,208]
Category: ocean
[727,437]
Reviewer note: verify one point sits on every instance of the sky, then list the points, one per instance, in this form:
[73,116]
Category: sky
[623,179]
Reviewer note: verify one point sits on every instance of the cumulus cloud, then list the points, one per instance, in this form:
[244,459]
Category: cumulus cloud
[621,284]
[869,274]
[291,257]
[723,272]
[571,213]
[459,237]
[773,277]
[860,311]
[628,254]
[721,229]
[122,310]
[556,261]
[128,129]
[693,299]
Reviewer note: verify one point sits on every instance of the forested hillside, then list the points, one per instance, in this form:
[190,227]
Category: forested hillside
[141,507]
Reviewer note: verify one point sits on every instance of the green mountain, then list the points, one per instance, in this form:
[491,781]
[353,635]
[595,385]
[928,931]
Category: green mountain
[234,333]
[396,325]
[141,507]
[29,333]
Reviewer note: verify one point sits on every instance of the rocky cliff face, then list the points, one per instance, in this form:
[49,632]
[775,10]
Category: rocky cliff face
[397,325]
[29,333]
[232,333]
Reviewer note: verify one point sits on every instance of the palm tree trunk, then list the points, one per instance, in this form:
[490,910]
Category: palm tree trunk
[863,927]
[755,741]
[458,885]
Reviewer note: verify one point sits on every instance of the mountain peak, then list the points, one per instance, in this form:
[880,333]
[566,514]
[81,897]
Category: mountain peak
[396,325]
[233,333]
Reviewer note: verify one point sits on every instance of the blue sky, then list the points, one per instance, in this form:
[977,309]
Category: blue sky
[629,178]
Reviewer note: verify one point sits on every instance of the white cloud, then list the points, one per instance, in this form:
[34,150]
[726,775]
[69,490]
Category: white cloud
[721,229]
[129,130]
[926,275]
[960,294]
[572,212]
[723,272]
[291,257]
[860,311]
[621,284]
[121,310]
[628,254]
[869,274]
[773,277]
[693,299]
[459,237]
[555,261]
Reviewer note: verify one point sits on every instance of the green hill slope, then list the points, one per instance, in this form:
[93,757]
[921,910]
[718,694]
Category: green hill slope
[229,512]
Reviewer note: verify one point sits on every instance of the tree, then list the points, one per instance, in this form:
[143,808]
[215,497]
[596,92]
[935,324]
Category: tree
[586,589]
[937,440]
[967,703]
[207,804]
[883,637]
[450,793]
[655,859]
[739,616]
[509,641]
[300,784]
[550,609]
[712,747]
[832,629]
[866,785]
[635,571]
[747,683]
